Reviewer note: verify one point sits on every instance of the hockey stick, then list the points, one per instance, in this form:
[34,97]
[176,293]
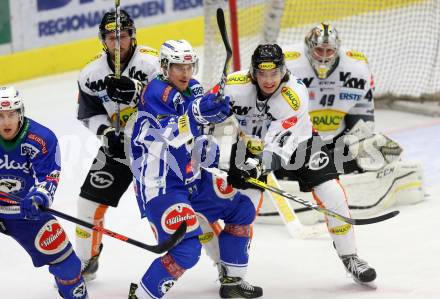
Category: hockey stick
[315,207]
[224,33]
[351,207]
[118,60]
[172,241]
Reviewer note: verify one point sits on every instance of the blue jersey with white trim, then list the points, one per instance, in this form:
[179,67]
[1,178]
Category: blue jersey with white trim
[31,159]
[157,166]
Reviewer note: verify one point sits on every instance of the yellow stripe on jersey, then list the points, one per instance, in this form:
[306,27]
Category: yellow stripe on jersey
[326,120]
[124,115]
[291,55]
[357,55]
[291,97]
[238,79]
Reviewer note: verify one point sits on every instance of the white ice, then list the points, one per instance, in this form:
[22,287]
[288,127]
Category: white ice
[404,250]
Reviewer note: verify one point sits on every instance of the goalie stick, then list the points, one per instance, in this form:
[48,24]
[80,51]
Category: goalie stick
[315,207]
[165,246]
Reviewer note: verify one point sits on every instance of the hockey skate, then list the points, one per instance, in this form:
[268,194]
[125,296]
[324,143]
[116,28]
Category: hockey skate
[132,291]
[236,287]
[90,267]
[359,270]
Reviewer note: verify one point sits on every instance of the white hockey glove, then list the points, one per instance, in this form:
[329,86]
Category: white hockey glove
[372,151]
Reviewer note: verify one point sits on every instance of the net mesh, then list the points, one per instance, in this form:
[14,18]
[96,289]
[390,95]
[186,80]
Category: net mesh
[399,37]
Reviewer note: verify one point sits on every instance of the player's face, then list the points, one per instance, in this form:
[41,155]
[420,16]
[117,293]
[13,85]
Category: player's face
[323,53]
[125,44]
[180,74]
[9,124]
[269,80]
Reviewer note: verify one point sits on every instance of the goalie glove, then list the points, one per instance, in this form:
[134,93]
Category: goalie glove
[123,90]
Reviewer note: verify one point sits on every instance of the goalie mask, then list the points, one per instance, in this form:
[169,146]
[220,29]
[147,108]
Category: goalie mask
[10,100]
[108,25]
[178,52]
[322,49]
[268,57]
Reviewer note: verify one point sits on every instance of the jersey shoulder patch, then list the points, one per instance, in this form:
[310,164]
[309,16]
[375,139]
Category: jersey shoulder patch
[356,55]
[239,78]
[291,55]
[291,97]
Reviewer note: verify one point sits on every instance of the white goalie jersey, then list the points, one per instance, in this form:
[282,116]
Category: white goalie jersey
[94,106]
[337,102]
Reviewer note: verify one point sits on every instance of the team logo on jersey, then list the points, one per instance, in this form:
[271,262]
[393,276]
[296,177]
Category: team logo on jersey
[290,122]
[176,214]
[326,120]
[151,52]
[238,79]
[318,160]
[267,66]
[223,189]
[124,115]
[51,238]
[352,82]
[340,230]
[11,184]
[357,56]
[40,141]
[101,179]
[291,55]
[291,97]
[28,149]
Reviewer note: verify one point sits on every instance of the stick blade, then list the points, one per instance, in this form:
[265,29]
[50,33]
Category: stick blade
[172,241]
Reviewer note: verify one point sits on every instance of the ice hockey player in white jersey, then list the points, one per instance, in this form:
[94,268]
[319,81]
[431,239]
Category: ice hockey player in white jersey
[109,177]
[271,109]
[341,102]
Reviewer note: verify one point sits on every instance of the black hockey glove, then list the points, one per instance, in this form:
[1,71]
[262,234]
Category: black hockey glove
[123,90]
[112,145]
[237,175]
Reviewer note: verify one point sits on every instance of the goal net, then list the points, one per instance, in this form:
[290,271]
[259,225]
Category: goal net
[400,37]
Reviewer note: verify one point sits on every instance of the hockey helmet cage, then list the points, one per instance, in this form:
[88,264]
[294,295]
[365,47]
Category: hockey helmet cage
[266,57]
[108,24]
[323,44]
[10,99]
[179,52]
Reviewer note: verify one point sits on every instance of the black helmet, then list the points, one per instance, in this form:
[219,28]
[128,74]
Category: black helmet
[108,24]
[266,57]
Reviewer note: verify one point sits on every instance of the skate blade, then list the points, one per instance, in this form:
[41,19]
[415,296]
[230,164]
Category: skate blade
[371,285]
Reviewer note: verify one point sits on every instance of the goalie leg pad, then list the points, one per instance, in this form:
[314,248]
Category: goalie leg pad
[331,195]
[68,278]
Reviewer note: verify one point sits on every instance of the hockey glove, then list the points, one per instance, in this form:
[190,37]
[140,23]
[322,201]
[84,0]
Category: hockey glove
[237,176]
[210,109]
[30,206]
[113,145]
[123,90]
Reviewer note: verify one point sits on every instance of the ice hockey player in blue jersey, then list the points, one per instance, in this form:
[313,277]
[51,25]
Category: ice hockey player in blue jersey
[109,175]
[167,147]
[29,170]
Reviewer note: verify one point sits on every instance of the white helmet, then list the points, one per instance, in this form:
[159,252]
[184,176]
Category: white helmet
[177,51]
[10,99]
[322,49]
